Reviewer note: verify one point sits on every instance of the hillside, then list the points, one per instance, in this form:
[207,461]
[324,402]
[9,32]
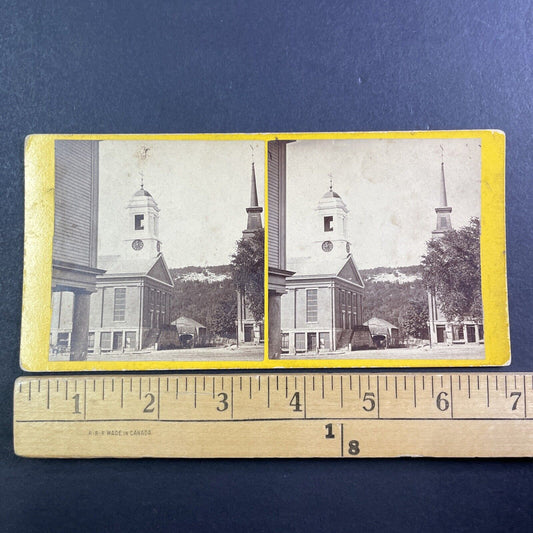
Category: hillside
[207,294]
[390,291]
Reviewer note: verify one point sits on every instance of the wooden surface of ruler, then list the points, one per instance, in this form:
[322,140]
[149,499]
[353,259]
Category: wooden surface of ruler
[349,415]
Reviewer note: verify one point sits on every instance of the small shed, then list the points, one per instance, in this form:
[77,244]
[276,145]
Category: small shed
[384,334]
[191,333]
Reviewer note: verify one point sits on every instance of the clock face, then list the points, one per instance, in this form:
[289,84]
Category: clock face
[347,247]
[137,244]
[327,246]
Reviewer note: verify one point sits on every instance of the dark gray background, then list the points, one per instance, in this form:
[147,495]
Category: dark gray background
[144,66]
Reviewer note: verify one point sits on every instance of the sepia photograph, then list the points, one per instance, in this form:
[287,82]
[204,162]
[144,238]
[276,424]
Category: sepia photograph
[158,251]
[374,249]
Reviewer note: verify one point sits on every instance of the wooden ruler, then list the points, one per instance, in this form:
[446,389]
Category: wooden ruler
[349,415]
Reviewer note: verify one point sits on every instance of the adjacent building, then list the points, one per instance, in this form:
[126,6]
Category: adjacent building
[442,330]
[277,240]
[322,308]
[384,334]
[74,258]
[250,330]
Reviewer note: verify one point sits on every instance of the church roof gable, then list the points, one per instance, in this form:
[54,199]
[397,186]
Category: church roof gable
[155,267]
[160,271]
[335,267]
[349,271]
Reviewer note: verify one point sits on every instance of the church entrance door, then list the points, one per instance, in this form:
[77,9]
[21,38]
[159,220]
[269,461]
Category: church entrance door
[117,341]
[311,342]
[441,332]
[248,333]
[471,333]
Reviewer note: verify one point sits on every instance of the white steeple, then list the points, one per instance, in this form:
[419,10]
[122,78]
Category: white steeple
[142,236]
[331,226]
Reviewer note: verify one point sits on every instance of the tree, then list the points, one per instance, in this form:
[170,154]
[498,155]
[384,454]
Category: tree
[248,271]
[451,268]
[414,319]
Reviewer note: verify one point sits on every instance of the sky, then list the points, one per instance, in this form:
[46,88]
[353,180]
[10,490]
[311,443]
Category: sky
[390,186]
[202,188]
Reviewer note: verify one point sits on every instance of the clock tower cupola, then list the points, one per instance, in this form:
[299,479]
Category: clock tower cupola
[331,225]
[142,237]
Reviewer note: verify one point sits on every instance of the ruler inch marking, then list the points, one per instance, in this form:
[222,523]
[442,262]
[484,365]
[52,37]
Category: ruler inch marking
[342,394]
[414,390]
[47,394]
[305,397]
[232,397]
[451,396]
[377,391]
[525,394]
[159,396]
[488,391]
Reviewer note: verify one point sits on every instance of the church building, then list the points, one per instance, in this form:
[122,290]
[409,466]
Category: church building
[250,330]
[131,304]
[442,330]
[323,307]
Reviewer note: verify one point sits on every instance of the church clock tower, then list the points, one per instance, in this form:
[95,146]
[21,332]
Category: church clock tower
[142,237]
[331,226]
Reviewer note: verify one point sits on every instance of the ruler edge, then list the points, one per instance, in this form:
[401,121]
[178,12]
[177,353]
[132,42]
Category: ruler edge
[64,377]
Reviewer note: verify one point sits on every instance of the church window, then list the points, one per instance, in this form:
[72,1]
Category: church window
[285,341]
[299,342]
[312,305]
[90,342]
[139,222]
[328,223]
[119,310]
[105,340]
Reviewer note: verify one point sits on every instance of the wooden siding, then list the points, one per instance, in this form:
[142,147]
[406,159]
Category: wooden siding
[274,206]
[76,202]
